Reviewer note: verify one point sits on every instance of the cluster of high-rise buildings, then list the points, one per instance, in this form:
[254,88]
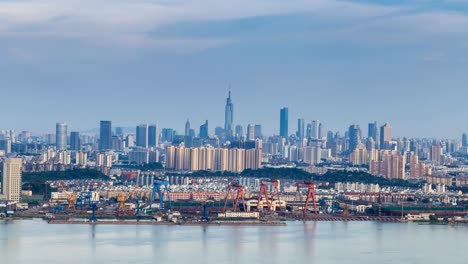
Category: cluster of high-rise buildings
[234,147]
[209,158]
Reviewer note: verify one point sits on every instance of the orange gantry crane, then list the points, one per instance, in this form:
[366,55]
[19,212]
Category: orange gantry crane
[264,183]
[310,195]
[235,193]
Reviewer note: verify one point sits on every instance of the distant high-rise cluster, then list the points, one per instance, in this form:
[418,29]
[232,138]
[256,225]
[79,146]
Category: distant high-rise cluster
[212,159]
[235,147]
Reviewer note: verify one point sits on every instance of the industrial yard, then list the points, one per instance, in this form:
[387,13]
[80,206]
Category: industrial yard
[226,201]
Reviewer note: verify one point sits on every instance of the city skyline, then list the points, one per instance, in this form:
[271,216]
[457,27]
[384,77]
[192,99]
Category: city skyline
[229,122]
[167,62]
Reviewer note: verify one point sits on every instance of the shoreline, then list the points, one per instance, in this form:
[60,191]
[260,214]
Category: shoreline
[214,223]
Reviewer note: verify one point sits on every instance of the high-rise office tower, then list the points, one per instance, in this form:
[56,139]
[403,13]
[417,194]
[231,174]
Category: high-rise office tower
[167,134]
[330,137]
[142,136]
[385,136]
[75,142]
[11,184]
[354,133]
[309,131]
[436,152]
[229,117]
[250,132]
[187,128]
[105,135]
[119,131]
[322,133]
[258,132]
[284,123]
[300,128]
[239,132]
[61,136]
[5,145]
[373,132]
[465,140]
[153,136]
[204,130]
[315,128]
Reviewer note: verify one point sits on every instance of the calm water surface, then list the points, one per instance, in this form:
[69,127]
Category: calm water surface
[36,242]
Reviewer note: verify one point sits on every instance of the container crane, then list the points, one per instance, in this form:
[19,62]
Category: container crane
[264,183]
[310,195]
[239,192]
[71,196]
[121,199]
[157,184]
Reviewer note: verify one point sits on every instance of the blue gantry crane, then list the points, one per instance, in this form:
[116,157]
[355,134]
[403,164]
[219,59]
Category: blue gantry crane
[206,217]
[157,184]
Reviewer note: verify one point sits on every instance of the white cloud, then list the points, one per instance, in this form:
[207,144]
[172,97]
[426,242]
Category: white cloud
[126,23]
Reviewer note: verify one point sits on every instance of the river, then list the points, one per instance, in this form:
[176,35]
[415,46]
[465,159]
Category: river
[36,242]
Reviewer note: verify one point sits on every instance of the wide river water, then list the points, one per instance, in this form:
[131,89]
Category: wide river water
[36,242]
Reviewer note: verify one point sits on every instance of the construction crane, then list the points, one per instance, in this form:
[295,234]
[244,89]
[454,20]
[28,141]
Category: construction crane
[239,192]
[310,195]
[264,183]
[157,184]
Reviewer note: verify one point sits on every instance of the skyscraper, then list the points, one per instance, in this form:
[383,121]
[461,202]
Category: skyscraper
[322,133]
[75,143]
[239,132]
[354,137]
[284,123]
[11,184]
[187,128]
[373,132]
[105,135]
[315,129]
[465,140]
[153,136]
[61,136]
[229,117]
[300,128]
[119,131]
[250,132]
[309,131]
[258,132]
[142,136]
[167,135]
[204,130]
[385,136]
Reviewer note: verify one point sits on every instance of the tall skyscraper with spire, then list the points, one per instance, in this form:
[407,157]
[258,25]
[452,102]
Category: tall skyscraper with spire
[229,117]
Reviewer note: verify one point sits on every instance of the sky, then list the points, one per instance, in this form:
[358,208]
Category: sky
[142,61]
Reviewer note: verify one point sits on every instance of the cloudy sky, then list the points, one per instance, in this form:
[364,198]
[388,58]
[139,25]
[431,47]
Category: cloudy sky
[132,61]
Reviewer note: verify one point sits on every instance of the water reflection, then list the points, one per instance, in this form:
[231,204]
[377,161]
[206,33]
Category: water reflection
[26,242]
[309,229]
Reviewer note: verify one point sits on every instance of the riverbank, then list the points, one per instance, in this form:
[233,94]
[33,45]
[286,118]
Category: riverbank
[215,223]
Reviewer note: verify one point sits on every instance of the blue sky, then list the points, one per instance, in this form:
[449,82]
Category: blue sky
[342,62]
